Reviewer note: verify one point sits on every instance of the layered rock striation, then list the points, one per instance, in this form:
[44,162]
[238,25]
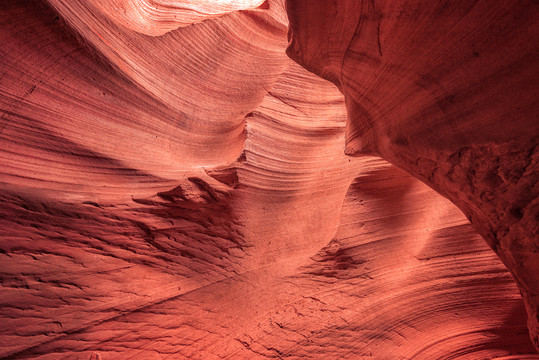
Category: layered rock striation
[174,186]
[446,92]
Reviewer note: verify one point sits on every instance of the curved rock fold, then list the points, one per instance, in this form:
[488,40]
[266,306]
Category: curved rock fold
[182,179]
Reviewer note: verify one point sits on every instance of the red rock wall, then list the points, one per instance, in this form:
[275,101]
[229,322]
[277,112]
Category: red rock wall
[177,191]
[446,92]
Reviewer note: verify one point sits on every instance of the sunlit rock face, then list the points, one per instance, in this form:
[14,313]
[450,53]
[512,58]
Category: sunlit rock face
[174,186]
[157,17]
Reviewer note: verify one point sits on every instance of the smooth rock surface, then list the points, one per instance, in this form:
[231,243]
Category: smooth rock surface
[174,188]
[445,91]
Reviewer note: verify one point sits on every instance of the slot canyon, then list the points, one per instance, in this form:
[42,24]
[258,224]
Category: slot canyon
[280,179]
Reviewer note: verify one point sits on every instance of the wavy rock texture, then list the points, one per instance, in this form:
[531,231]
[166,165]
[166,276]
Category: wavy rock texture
[187,194]
[446,92]
[152,17]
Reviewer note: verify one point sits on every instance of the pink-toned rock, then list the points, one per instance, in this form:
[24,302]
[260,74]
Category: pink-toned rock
[445,91]
[188,195]
[157,17]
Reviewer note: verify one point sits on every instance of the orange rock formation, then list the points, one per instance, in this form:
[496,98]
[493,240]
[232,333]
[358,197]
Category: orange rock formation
[250,180]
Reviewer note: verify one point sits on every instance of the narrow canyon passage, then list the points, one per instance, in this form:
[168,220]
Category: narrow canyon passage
[207,180]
